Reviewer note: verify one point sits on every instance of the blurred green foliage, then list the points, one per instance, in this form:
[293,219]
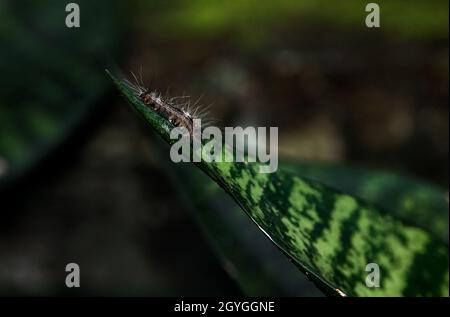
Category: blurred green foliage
[254,22]
[50,75]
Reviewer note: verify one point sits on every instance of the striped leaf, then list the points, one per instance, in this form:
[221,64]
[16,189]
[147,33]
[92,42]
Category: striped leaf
[331,236]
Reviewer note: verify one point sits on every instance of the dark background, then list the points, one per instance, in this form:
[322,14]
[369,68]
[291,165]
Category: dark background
[97,196]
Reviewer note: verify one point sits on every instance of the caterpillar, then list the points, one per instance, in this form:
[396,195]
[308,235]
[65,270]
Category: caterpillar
[179,114]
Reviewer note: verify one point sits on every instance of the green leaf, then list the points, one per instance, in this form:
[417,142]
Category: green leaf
[248,255]
[329,235]
[411,200]
[251,259]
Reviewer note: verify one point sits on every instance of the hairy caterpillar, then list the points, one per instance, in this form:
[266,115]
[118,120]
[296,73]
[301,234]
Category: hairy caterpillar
[210,144]
[179,114]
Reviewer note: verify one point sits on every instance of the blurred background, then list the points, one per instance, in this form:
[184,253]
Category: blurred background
[82,179]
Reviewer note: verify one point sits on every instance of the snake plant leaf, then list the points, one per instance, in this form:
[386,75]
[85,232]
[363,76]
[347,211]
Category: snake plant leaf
[331,236]
[249,257]
[424,205]
[50,78]
[251,260]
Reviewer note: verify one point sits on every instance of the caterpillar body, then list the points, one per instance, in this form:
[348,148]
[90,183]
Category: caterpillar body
[178,117]
[179,114]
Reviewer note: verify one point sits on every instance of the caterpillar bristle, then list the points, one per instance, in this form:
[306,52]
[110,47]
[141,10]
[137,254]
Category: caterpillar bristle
[179,110]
